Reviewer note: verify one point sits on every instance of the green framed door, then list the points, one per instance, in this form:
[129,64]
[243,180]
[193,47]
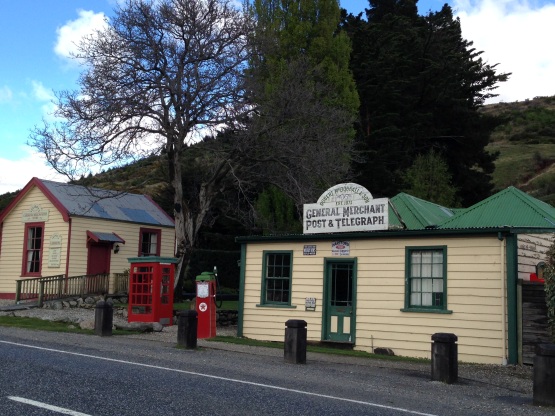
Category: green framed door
[339,300]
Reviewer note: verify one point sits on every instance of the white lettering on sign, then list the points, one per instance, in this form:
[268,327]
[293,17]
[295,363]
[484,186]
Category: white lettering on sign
[345,208]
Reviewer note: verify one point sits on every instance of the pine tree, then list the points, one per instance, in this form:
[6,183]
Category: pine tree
[421,86]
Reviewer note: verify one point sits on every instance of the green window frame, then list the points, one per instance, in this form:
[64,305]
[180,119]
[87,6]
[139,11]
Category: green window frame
[277,272]
[426,279]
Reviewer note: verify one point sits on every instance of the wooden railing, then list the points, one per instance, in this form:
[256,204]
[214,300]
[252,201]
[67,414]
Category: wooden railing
[58,287]
[121,283]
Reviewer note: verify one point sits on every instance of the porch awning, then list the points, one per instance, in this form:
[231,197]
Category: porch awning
[101,237]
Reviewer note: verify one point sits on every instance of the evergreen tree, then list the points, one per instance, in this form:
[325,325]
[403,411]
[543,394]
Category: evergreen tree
[276,212]
[429,179]
[421,86]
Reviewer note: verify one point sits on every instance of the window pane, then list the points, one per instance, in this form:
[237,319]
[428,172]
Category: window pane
[415,299]
[426,285]
[437,285]
[426,257]
[426,299]
[438,256]
[416,285]
[416,270]
[437,270]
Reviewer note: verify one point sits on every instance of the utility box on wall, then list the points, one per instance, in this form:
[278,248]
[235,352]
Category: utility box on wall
[151,281]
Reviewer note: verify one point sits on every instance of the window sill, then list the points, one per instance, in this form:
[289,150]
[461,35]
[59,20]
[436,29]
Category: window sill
[423,310]
[275,305]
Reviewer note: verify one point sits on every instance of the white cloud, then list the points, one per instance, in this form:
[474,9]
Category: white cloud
[70,34]
[518,35]
[44,95]
[14,174]
[41,93]
[5,94]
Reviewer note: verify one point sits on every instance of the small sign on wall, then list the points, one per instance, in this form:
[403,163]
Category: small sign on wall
[340,248]
[55,251]
[309,250]
[310,304]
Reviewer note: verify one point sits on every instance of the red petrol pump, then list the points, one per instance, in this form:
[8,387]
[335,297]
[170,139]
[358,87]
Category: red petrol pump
[206,305]
[151,281]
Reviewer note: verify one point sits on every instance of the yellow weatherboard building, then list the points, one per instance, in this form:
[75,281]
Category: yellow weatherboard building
[393,282]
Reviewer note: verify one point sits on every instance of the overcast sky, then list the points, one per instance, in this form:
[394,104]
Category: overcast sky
[37,38]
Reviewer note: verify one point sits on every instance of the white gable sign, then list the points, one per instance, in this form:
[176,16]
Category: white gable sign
[346,207]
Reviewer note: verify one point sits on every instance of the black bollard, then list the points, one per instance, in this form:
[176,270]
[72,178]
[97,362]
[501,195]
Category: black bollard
[544,375]
[187,329]
[445,365]
[295,341]
[103,318]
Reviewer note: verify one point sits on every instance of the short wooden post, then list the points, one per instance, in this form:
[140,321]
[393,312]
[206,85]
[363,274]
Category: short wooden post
[41,293]
[295,341]
[444,358]
[544,375]
[18,290]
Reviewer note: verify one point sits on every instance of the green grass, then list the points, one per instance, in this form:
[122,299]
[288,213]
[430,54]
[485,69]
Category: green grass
[322,349]
[54,326]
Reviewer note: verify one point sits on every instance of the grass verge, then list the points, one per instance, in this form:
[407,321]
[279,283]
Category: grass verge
[54,326]
[317,348]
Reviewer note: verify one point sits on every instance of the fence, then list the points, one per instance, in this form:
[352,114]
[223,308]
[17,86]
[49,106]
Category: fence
[57,287]
[121,283]
[533,319]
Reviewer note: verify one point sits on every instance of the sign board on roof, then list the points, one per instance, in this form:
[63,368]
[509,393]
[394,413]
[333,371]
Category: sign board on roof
[346,207]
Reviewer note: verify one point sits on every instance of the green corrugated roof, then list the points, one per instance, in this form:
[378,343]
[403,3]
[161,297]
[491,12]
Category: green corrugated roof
[416,213]
[508,208]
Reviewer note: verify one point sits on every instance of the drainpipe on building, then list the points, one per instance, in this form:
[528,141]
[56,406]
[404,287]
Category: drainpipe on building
[503,297]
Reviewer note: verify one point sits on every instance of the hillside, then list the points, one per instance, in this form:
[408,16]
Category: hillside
[525,140]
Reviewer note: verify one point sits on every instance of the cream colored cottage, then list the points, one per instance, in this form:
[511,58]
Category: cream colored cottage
[53,228]
[390,273]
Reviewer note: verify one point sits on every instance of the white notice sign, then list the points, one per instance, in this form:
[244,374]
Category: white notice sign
[346,207]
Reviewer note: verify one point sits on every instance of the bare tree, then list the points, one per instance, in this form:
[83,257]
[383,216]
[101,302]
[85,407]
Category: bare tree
[295,140]
[162,73]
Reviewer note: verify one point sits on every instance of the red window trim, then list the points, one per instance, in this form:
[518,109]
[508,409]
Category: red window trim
[24,272]
[156,231]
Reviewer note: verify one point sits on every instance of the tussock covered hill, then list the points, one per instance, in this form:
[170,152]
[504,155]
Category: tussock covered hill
[525,140]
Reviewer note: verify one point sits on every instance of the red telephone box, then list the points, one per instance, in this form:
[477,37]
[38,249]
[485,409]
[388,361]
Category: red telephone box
[151,289]
[206,305]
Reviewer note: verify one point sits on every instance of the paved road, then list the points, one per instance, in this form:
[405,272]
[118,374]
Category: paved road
[90,375]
